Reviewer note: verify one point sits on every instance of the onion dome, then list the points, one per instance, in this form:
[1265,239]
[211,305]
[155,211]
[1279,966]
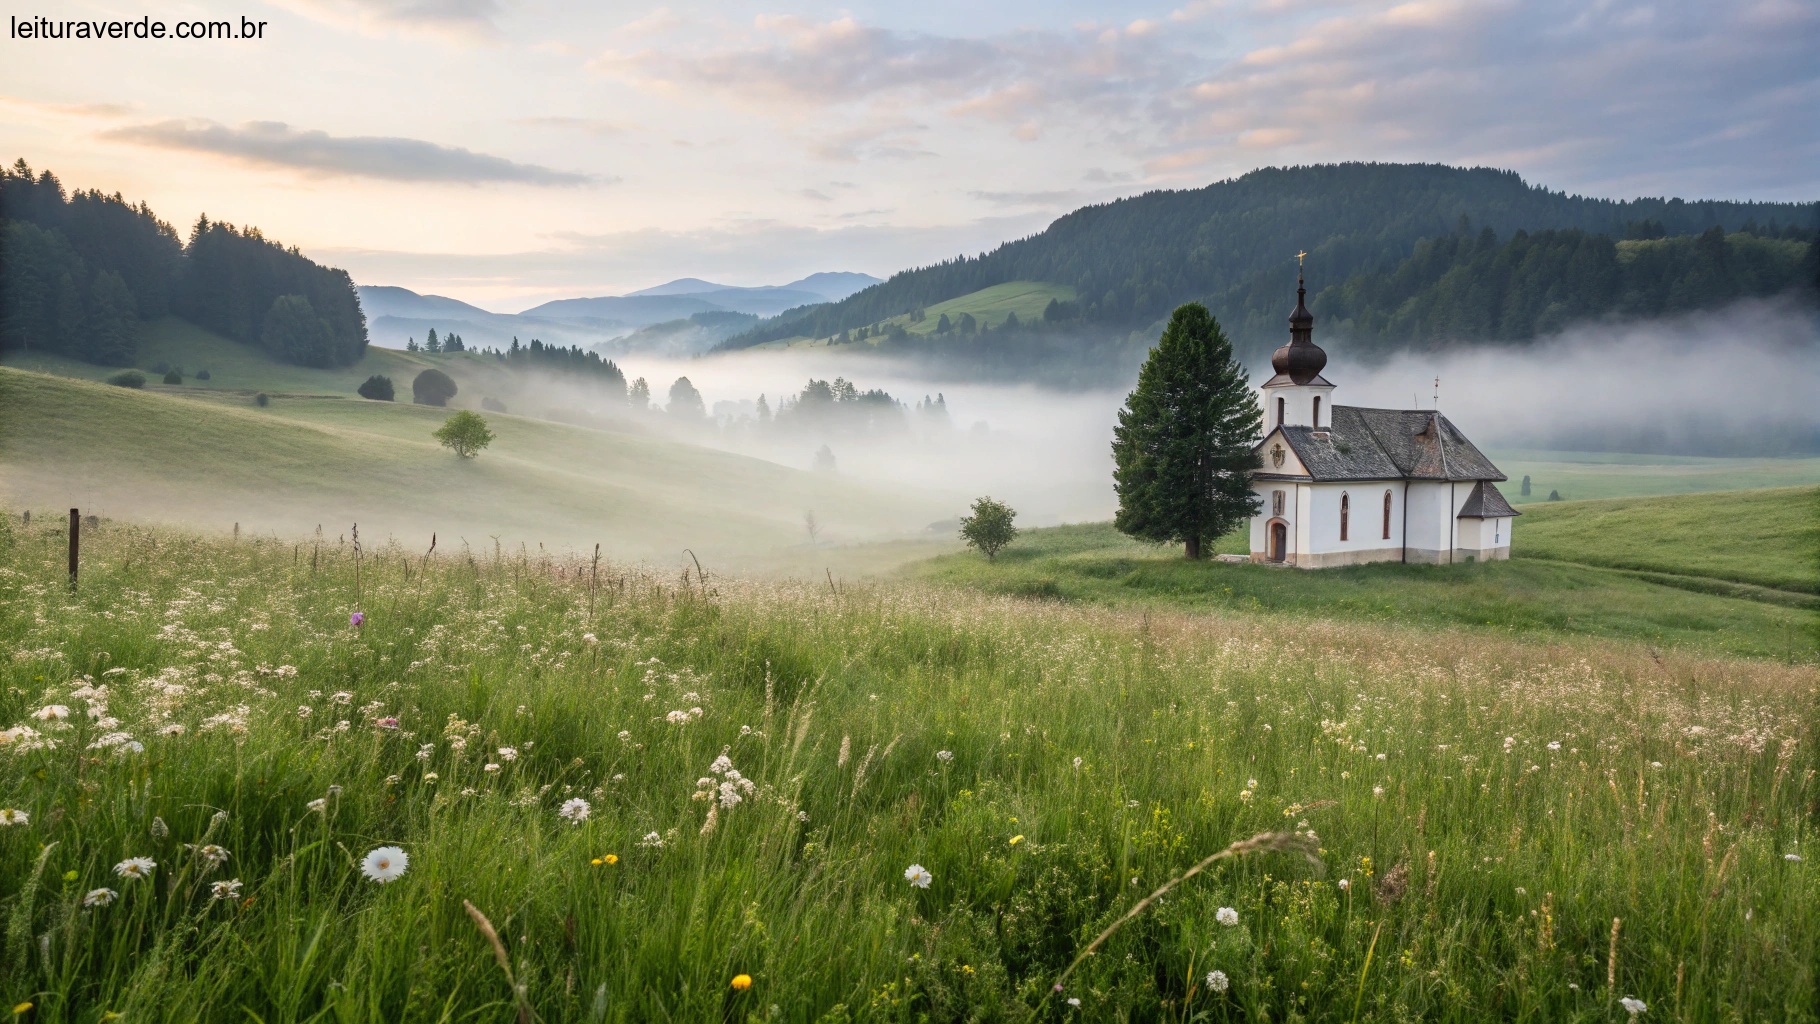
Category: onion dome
[1301,360]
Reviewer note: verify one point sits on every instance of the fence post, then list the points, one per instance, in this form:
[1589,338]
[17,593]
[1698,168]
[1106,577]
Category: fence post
[75,543]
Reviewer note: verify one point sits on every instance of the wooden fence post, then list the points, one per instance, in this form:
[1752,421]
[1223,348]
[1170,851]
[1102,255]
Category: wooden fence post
[75,543]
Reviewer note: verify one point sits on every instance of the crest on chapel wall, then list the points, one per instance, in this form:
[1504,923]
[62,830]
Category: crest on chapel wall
[1276,455]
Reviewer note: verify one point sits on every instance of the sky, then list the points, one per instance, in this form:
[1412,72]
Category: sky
[505,152]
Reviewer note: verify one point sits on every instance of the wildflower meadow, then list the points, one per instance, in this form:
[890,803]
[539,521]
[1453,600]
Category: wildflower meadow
[276,782]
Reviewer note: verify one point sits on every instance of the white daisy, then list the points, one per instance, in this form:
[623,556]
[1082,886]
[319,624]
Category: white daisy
[136,867]
[228,890]
[1226,916]
[385,863]
[1633,1006]
[918,876]
[99,897]
[51,712]
[13,816]
[212,856]
[1217,981]
[575,809]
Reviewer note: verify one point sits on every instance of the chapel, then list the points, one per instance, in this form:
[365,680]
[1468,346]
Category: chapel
[1344,485]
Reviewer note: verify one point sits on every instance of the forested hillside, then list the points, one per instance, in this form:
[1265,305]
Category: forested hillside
[79,272]
[1465,287]
[1231,245]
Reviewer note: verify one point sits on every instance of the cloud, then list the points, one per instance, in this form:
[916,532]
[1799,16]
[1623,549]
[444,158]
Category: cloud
[1049,198]
[599,128]
[1614,98]
[786,65]
[452,20]
[319,154]
[100,111]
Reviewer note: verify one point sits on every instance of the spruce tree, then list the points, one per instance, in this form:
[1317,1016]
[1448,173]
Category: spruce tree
[1183,447]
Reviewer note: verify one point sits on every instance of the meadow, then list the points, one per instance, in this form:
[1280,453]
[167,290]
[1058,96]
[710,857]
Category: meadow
[214,460]
[701,798]
[1659,571]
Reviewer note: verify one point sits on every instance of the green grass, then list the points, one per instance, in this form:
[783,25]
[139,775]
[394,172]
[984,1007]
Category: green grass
[990,306]
[1522,597]
[1769,538]
[1580,475]
[219,460]
[1490,806]
[235,368]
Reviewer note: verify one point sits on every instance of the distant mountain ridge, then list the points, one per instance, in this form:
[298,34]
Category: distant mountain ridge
[397,315]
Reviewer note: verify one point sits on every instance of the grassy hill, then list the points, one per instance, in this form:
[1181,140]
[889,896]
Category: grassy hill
[1579,475]
[1768,537]
[216,459]
[989,306]
[1554,587]
[234,367]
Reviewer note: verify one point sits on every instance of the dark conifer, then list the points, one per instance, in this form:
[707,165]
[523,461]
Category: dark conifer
[1183,446]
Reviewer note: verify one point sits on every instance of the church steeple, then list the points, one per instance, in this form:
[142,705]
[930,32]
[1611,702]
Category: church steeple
[1301,360]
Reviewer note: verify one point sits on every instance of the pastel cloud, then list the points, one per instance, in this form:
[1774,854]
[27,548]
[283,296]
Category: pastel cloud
[319,154]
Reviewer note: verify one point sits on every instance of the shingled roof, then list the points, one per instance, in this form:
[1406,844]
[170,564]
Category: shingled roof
[1389,444]
[1486,502]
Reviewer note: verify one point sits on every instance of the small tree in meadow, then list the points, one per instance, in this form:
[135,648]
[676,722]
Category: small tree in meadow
[378,388]
[465,433]
[989,527]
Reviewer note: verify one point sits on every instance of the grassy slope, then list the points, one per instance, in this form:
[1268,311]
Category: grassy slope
[990,306]
[1580,475]
[309,460]
[1526,595]
[1766,537]
[234,367]
[1464,871]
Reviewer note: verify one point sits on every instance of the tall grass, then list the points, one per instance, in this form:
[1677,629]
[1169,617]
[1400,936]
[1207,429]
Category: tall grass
[1050,766]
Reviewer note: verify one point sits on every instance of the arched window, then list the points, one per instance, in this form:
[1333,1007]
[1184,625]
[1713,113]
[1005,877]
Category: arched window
[1386,514]
[1279,412]
[1345,511]
[1317,412]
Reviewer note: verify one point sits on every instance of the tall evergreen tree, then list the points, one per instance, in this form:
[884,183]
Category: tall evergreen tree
[1183,446]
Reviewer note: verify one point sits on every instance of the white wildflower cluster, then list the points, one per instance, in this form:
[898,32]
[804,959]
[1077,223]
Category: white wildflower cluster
[730,790]
[652,841]
[575,810]
[680,717]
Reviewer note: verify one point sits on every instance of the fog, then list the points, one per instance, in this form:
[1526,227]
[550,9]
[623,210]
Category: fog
[1740,381]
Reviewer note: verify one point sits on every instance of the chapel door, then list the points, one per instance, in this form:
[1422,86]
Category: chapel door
[1279,541]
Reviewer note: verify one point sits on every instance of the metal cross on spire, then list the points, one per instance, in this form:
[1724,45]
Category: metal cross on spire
[1298,258]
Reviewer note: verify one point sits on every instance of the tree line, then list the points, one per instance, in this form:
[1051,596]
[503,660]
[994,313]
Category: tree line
[79,271]
[1229,244]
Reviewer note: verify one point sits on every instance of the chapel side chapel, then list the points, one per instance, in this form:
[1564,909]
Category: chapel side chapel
[1343,485]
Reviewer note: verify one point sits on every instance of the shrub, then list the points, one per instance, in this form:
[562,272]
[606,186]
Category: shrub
[492,404]
[173,377]
[1554,495]
[465,433]
[262,400]
[202,375]
[989,527]
[432,387]
[128,379]
[378,387]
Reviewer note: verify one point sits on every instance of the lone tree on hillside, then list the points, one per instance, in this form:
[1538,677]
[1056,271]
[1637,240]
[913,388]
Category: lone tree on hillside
[378,387]
[432,387]
[989,527]
[465,433]
[1183,446]
[685,402]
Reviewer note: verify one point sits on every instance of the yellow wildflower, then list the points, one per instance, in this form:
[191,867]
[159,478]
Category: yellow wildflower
[741,982]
